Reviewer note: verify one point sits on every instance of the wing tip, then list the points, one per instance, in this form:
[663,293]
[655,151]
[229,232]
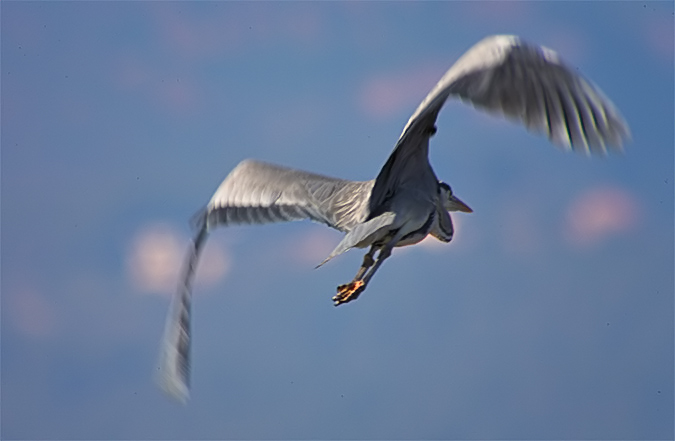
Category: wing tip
[172,385]
[169,376]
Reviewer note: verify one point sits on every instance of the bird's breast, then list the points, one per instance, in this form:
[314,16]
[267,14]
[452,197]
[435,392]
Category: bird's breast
[415,208]
[419,234]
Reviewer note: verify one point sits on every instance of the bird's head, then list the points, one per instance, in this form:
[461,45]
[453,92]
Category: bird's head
[450,201]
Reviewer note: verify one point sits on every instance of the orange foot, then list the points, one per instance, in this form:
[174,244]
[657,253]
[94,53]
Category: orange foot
[348,292]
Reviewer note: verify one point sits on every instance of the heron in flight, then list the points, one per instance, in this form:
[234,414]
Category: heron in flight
[406,202]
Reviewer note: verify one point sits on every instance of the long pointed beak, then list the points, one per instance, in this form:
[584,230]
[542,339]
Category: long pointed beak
[455,204]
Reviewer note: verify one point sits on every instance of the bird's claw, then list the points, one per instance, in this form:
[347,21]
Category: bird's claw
[348,292]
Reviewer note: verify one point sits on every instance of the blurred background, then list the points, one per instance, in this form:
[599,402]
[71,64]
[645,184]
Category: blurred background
[549,316]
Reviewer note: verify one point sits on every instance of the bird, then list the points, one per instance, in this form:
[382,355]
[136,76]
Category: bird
[406,202]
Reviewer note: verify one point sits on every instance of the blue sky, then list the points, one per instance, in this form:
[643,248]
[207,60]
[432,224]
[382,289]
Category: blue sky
[549,316]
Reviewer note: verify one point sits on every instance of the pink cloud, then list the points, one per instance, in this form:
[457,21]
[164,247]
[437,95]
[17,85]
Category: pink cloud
[569,44]
[600,213]
[509,13]
[31,312]
[386,95]
[179,95]
[130,73]
[283,124]
[306,25]
[155,258]
[192,36]
[207,33]
[313,246]
[658,35]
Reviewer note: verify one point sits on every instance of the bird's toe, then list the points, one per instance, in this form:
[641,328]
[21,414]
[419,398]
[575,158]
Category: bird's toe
[348,292]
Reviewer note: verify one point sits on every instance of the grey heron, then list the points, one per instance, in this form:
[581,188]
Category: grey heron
[406,202]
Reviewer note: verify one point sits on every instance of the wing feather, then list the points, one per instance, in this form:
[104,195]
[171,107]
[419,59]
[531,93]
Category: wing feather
[257,192]
[511,77]
[504,75]
[253,193]
[173,370]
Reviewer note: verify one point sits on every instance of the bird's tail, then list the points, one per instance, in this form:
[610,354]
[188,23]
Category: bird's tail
[360,233]
[173,370]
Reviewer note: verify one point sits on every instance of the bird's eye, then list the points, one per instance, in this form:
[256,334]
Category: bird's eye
[446,187]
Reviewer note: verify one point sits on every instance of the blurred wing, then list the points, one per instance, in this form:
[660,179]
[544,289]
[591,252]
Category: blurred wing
[256,193]
[528,83]
[173,371]
[253,193]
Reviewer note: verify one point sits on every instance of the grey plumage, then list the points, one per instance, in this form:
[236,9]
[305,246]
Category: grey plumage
[257,192]
[406,202]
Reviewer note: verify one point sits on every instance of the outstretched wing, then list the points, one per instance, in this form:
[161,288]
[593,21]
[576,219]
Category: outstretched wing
[253,193]
[257,192]
[529,83]
[505,75]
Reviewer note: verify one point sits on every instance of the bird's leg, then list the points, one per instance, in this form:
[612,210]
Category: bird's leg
[384,254]
[367,263]
[351,291]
